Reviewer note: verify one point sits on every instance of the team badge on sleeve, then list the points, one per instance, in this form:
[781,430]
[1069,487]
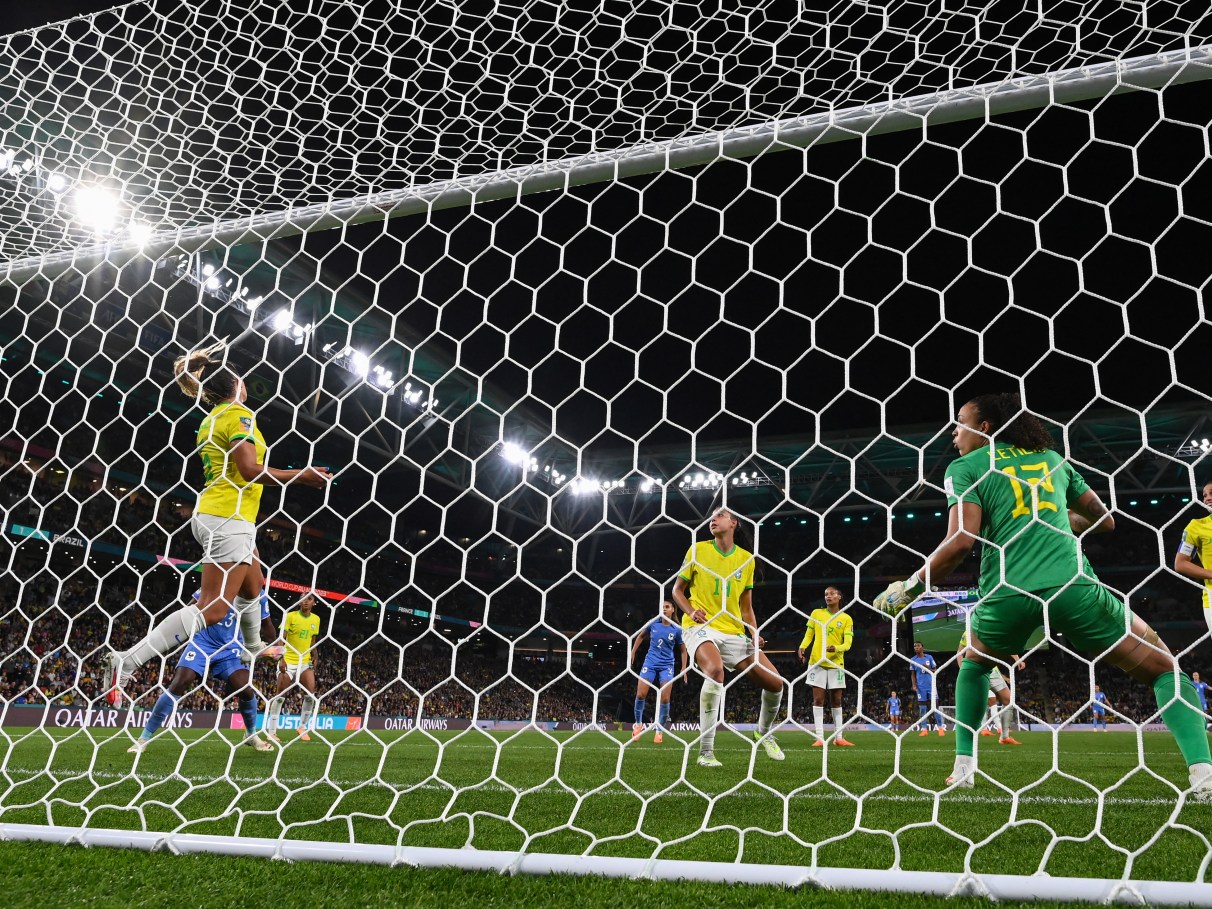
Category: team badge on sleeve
[246,424]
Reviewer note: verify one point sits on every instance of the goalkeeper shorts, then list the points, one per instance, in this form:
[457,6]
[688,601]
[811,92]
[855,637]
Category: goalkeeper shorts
[1089,615]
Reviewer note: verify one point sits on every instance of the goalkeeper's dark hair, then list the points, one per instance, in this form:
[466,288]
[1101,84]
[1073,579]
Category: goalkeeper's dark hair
[1010,424]
[204,375]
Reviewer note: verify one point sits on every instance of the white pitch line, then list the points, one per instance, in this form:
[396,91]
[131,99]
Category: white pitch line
[33,773]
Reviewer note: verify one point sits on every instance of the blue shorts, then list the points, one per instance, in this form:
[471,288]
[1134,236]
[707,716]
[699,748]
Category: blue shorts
[1099,711]
[923,697]
[220,665]
[657,676]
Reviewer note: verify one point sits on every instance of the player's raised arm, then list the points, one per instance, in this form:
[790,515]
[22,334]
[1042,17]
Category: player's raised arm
[244,455]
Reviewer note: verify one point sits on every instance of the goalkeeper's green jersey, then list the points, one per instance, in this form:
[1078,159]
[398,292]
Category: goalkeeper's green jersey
[1024,498]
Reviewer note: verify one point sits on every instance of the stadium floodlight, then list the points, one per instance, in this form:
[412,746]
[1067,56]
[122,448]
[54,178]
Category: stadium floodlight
[55,182]
[359,364]
[514,453]
[139,232]
[96,208]
[281,320]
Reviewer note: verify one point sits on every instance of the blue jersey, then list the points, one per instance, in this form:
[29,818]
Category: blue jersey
[1100,701]
[923,667]
[663,640]
[1201,689]
[894,706]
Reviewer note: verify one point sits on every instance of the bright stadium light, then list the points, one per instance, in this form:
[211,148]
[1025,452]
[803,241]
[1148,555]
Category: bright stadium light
[56,183]
[96,208]
[360,363]
[281,321]
[514,453]
[139,232]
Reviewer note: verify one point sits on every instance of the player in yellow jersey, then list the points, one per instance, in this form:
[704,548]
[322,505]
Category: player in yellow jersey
[714,591]
[300,631]
[1197,541]
[234,456]
[829,634]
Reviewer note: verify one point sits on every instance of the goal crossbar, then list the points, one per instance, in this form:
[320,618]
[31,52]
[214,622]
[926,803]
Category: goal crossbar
[1153,71]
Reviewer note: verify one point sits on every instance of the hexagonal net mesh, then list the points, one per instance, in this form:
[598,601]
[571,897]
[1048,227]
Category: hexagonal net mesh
[544,287]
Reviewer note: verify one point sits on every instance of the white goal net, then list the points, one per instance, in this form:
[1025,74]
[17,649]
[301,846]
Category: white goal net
[544,285]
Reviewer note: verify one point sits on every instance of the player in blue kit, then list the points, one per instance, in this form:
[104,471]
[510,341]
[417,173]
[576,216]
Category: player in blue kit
[664,636]
[894,712]
[1201,691]
[923,669]
[1099,708]
[217,650]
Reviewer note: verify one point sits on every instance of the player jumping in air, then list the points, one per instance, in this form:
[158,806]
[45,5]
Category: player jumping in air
[714,591]
[300,630]
[922,670]
[664,637]
[234,455]
[829,634]
[1028,506]
[217,651]
[1197,541]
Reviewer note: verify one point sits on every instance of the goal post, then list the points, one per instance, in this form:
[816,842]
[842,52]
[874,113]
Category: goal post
[545,289]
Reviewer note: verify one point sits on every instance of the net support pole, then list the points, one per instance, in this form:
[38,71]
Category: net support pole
[1083,83]
[934,883]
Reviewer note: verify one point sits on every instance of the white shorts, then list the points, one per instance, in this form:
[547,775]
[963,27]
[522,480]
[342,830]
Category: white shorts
[821,677]
[224,540]
[996,682]
[734,648]
[294,670]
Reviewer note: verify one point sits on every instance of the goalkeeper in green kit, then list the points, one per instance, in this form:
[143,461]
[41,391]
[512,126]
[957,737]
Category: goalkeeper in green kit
[1028,505]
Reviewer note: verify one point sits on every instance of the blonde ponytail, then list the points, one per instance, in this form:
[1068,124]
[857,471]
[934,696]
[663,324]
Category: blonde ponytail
[203,374]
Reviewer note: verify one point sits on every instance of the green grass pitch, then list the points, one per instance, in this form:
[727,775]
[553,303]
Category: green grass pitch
[853,807]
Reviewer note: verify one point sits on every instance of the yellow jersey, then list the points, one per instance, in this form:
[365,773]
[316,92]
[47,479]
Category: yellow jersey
[1197,540]
[300,634]
[227,493]
[715,582]
[824,628]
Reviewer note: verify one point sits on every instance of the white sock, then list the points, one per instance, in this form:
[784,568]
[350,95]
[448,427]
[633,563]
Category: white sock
[274,714]
[709,702]
[166,637]
[818,717]
[837,721]
[962,761]
[309,711]
[770,709]
[249,611]
[1199,773]
[1003,720]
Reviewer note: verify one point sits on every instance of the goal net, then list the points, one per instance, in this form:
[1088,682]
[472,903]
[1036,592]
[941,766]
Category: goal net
[544,285]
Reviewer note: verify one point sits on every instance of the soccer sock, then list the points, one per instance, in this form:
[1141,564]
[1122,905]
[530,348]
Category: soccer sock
[1003,719]
[838,721]
[971,700]
[770,709]
[274,713]
[818,717]
[248,710]
[1183,717]
[165,705]
[175,630]
[639,710]
[309,712]
[665,715]
[249,611]
[709,701]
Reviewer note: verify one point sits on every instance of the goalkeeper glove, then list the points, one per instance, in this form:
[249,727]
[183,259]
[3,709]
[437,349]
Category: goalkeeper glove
[899,594]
